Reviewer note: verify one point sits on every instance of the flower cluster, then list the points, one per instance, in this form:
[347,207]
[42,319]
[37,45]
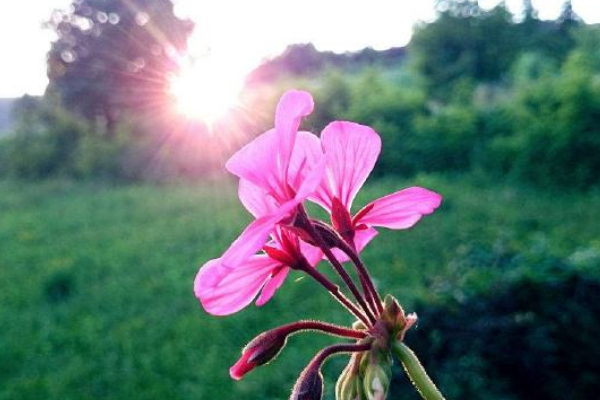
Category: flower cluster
[278,172]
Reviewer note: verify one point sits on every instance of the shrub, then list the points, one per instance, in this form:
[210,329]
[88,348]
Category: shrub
[532,338]
[45,141]
[51,142]
[555,139]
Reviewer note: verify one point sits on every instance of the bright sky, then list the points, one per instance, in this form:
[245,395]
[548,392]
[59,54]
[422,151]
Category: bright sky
[243,32]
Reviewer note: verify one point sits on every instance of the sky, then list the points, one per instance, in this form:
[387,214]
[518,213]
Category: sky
[241,33]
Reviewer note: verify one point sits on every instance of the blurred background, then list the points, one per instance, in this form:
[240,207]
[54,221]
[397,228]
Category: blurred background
[116,119]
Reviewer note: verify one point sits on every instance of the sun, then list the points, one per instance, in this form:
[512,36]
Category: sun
[206,89]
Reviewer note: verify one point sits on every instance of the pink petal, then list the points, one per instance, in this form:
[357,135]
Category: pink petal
[294,105]
[362,237]
[351,150]
[306,155]
[256,200]
[257,162]
[312,180]
[224,291]
[255,236]
[312,254]
[271,286]
[400,210]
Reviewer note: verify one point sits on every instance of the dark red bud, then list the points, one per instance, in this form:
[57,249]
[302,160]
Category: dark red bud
[243,365]
[309,385]
[262,349]
[329,236]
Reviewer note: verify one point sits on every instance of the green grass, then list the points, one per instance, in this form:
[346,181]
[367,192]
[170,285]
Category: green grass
[97,300]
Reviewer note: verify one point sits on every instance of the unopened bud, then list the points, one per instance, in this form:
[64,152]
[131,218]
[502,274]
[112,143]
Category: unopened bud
[348,386]
[309,385]
[376,370]
[259,351]
[376,382]
[396,321]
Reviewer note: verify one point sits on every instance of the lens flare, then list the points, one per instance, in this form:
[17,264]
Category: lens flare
[206,89]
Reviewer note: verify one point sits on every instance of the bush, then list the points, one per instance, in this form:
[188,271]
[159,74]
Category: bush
[45,143]
[532,338]
[555,139]
[98,157]
[51,142]
[417,136]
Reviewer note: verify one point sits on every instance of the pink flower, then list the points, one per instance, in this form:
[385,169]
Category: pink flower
[351,151]
[277,163]
[276,174]
[224,291]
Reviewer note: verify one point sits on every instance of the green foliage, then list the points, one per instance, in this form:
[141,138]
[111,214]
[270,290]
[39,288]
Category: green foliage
[555,121]
[100,302]
[50,142]
[45,141]
[539,125]
[417,136]
[468,42]
[445,140]
[465,41]
[107,158]
[533,338]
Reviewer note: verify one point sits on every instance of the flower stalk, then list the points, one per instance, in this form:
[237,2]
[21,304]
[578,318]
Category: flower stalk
[366,280]
[304,222]
[309,385]
[330,329]
[415,371]
[334,290]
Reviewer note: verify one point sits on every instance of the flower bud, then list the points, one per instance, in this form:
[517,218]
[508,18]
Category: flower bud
[377,378]
[376,370]
[348,386]
[396,321]
[259,351]
[309,385]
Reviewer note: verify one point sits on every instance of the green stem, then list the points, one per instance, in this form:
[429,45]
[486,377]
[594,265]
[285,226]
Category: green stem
[416,372]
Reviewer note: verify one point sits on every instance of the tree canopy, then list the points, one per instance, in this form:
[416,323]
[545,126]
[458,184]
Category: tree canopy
[115,56]
[467,42]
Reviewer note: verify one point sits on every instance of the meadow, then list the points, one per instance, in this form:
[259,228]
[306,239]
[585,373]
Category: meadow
[97,299]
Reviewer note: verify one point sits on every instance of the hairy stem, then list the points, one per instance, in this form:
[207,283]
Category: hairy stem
[365,278]
[331,329]
[318,239]
[416,372]
[335,292]
[336,349]
[339,268]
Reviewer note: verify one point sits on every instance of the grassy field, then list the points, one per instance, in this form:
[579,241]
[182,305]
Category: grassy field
[97,299]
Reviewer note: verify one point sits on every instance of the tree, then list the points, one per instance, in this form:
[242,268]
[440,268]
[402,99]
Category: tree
[115,56]
[568,15]
[466,42]
[529,11]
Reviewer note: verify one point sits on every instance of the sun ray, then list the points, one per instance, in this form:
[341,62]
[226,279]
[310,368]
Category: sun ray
[206,89]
